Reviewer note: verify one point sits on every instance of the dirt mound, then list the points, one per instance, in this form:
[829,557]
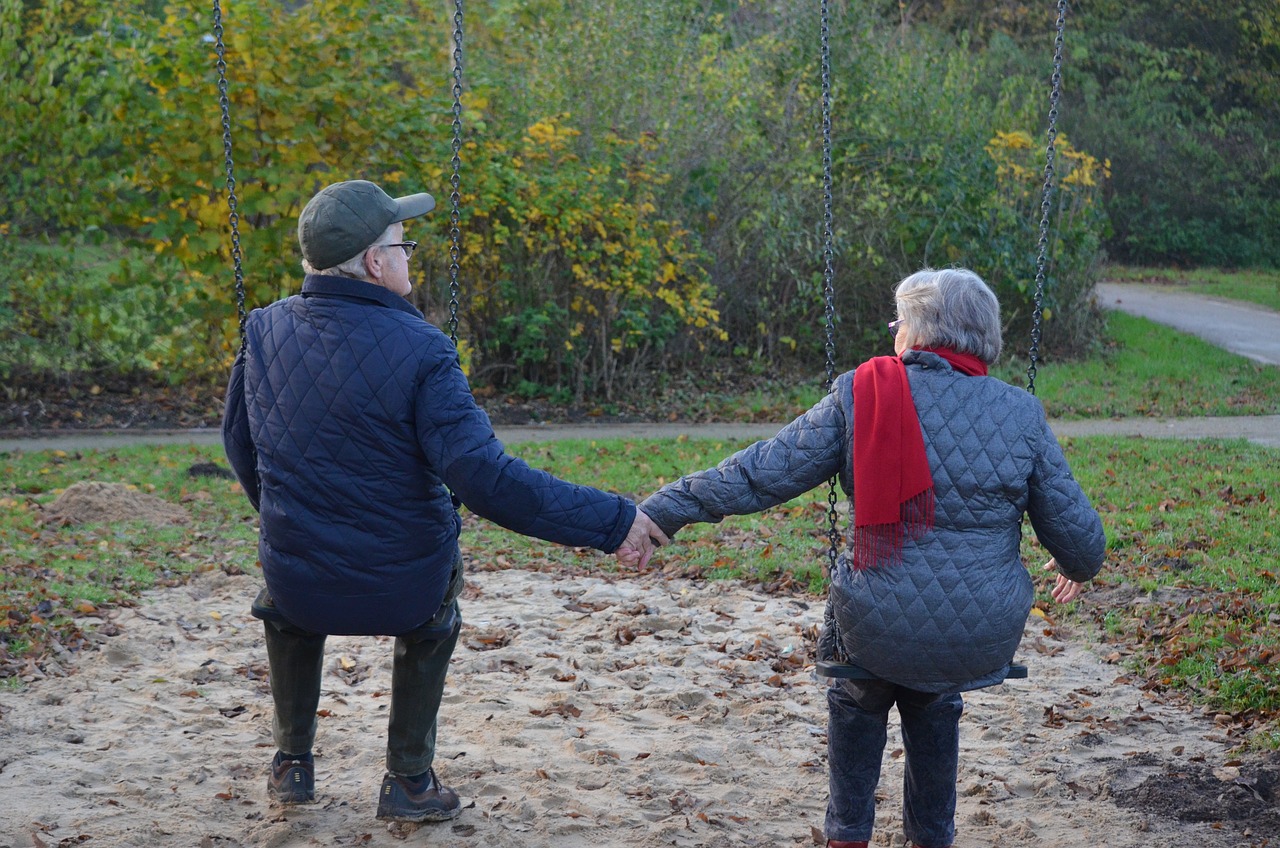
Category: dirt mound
[94,503]
[1243,797]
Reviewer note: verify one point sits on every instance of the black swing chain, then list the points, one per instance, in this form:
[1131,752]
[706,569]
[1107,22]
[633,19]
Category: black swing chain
[828,270]
[1042,259]
[829,309]
[455,196]
[234,216]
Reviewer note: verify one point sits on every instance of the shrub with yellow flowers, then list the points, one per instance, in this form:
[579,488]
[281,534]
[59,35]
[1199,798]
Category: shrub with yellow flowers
[575,278]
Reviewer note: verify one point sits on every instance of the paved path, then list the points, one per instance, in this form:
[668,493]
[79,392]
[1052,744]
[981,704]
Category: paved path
[1243,328]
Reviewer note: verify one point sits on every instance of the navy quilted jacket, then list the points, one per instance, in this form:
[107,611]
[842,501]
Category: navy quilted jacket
[346,418]
[950,616]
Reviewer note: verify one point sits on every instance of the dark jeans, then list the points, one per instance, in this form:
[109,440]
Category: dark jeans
[421,661]
[856,731]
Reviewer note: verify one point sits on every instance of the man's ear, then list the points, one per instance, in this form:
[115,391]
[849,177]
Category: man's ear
[373,264]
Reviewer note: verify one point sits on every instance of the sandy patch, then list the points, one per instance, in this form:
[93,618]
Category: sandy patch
[94,502]
[586,712]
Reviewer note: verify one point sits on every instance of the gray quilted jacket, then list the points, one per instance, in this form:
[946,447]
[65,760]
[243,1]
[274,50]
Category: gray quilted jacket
[949,617]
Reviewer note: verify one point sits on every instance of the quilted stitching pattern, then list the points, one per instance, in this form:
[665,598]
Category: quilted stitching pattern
[347,420]
[951,615]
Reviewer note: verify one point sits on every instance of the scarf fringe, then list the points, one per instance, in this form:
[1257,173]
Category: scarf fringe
[878,545]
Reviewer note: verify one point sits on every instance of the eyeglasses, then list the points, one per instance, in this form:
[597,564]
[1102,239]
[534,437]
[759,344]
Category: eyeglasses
[407,246]
[893,327]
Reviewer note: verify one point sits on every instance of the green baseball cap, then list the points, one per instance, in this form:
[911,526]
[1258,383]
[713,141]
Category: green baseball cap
[345,218]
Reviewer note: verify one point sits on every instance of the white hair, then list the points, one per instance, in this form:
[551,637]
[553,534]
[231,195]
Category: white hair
[353,267]
[951,308]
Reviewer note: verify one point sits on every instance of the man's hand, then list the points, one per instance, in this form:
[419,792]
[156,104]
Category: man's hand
[642,538]
[1065,589]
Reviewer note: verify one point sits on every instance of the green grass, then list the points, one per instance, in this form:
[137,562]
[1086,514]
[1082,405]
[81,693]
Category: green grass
[52,576]
[1253,286]
[1190,587]
[1145,369]
[1140,369]
[785,545]
[1185,602]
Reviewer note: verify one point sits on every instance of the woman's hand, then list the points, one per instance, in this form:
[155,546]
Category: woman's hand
[641,541]
[1065,589]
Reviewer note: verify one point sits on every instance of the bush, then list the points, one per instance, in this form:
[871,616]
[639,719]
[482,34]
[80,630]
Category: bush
[641,183]
[575,281]
[69,307]
[915,182]
[940,167]
[546,235]
[1181,97]
[61,81]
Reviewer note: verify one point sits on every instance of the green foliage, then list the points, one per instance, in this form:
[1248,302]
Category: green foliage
[913,114]
[314,98]
[61,74]
[612,223]
[576,281]
[68,307]
[942,169]
[728,92]
[1181,97]
[311,102]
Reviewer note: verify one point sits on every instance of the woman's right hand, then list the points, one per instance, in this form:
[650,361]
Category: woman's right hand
[1064,589]
[643,537]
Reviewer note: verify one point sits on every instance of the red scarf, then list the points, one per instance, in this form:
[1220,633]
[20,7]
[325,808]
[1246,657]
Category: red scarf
[892,485]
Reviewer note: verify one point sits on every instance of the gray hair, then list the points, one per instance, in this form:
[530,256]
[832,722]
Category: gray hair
[951,308]
[353,267]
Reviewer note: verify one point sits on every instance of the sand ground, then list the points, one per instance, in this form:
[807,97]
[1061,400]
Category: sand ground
[587,711]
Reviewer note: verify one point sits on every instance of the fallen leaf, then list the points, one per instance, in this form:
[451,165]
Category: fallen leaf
[565,710]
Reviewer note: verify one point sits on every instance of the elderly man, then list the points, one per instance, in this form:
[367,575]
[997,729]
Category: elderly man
[348,421]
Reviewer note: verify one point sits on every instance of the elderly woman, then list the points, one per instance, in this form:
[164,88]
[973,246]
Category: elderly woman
[930,596]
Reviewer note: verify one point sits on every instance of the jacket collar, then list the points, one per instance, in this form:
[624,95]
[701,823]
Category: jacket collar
[926,359]
[356,290]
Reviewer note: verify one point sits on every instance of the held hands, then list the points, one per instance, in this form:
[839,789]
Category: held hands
[1064,589]
[643,537]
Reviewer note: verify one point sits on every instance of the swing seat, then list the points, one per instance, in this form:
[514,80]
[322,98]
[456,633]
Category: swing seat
[849,671]
[437,629]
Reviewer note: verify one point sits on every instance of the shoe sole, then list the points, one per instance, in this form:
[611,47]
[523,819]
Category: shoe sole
[418,818]
[292,801]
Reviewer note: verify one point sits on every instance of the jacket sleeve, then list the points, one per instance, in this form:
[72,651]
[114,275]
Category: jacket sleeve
[236,440]
[458,440]
[805,453]
[1064,520]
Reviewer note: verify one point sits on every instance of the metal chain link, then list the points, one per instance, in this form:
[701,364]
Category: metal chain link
[829,299]
[234,216]
[1046,196]
[455,196]
[828,237]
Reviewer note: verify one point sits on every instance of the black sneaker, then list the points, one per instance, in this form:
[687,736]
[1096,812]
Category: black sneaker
[417,799]
[292,779]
